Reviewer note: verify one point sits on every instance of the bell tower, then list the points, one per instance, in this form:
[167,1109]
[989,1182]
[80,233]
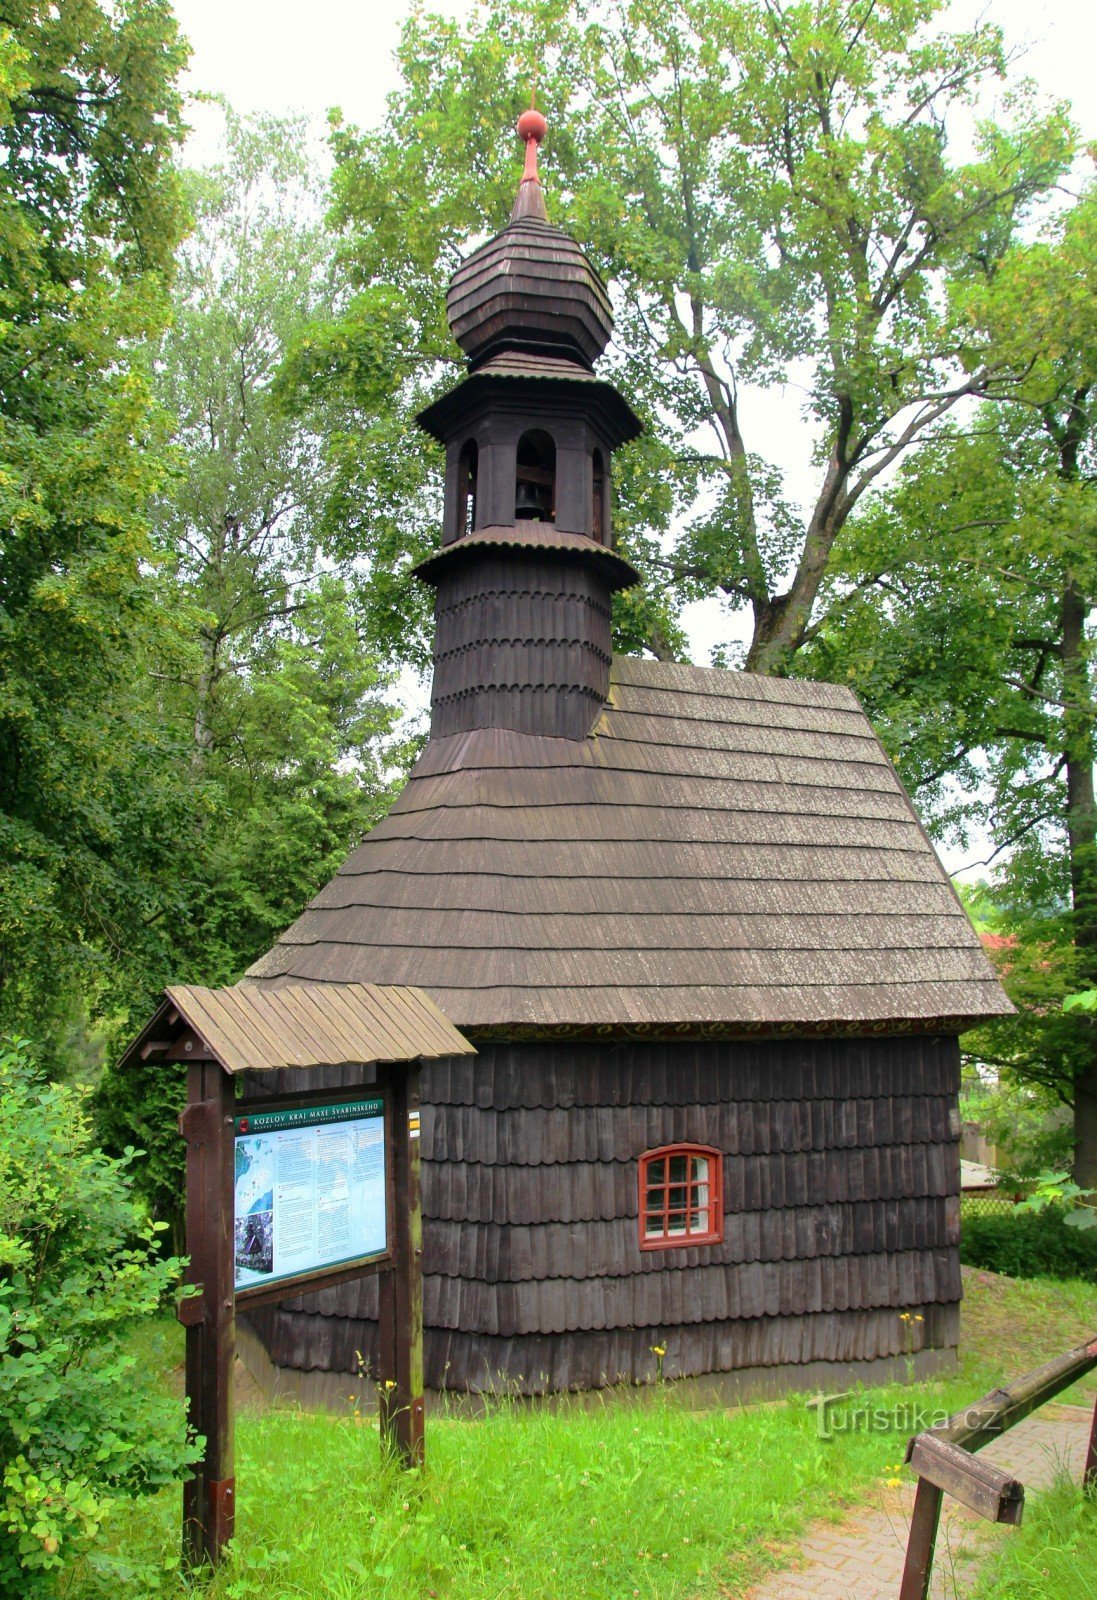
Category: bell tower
[527,569]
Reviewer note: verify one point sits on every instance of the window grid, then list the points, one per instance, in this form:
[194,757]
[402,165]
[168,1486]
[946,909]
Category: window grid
[681,1192]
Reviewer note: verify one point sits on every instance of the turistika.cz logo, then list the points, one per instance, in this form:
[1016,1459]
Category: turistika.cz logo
[838,1414]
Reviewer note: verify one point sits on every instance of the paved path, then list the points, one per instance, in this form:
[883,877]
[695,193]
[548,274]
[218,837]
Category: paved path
[861,1558]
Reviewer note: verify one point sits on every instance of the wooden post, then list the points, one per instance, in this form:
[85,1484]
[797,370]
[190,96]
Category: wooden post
[1089,1477]
[207,1126]
[918,1569]
[402,1288]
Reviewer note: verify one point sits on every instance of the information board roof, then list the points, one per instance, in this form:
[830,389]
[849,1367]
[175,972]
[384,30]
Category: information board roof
[253,1029]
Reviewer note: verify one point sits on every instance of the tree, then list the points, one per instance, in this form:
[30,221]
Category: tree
[90,214]
[270,676]
[959,611]
[265,675]
[770,190]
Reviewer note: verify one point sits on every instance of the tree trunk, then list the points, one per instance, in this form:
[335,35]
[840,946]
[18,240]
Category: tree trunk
[780,624]
[1078,741]
[203,740]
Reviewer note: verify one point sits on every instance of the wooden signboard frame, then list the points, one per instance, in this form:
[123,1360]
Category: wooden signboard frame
[208,1313]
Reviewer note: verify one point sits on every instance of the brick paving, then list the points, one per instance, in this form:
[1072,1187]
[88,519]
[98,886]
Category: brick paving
[861,1558]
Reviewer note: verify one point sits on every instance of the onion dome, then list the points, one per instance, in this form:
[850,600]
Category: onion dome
[531,287]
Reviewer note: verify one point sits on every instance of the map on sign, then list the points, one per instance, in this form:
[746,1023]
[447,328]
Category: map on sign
[309,1190]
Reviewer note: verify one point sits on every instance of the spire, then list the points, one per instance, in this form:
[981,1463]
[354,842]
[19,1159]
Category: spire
[530,288]
[530,203]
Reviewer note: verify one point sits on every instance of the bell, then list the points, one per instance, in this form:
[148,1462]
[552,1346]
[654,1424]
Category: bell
[528,505]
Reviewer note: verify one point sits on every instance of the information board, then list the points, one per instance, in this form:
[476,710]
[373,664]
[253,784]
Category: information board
[309,1190]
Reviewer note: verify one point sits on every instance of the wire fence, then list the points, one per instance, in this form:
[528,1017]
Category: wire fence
[987,1203]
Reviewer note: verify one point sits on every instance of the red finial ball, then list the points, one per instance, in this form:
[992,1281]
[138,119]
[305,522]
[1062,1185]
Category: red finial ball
[532,125]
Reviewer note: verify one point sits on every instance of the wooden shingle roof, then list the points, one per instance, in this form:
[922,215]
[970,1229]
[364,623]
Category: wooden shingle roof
[725,853]
[250,1029]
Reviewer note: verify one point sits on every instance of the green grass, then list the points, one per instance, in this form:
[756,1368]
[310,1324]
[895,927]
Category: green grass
[650,1499]
[1011,1325]
[1052,1556]
[630,1497]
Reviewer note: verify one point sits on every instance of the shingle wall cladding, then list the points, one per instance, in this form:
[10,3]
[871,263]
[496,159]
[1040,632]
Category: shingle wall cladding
[522,641]
[841,1185]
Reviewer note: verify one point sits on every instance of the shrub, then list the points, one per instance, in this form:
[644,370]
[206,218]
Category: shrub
[79,1424]
[1029,1244]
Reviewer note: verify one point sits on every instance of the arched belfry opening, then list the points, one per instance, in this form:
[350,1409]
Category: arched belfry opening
[535,477]
[599,505]
[466,487]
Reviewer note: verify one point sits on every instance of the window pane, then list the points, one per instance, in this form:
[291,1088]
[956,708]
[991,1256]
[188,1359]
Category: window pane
[679,1197]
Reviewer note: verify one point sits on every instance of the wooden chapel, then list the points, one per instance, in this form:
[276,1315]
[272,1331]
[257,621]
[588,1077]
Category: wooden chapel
[712,968]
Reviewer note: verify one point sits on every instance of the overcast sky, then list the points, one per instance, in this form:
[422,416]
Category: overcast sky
[268,55]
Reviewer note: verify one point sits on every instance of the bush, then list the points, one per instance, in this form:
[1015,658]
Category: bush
[79,1424]
[1029,1244]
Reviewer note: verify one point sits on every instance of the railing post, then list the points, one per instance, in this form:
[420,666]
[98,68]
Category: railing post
[1089,1477]
[918,1569]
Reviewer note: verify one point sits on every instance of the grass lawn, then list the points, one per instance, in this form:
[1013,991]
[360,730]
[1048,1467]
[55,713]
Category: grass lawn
[633,1497]
[1052,1556]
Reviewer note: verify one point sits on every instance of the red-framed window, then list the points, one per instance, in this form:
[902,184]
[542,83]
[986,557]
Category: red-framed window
[681,1196]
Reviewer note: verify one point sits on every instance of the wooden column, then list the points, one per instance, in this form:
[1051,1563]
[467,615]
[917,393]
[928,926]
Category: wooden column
[401,1288]
[207,1126]
[923,1536]
[1089,1477]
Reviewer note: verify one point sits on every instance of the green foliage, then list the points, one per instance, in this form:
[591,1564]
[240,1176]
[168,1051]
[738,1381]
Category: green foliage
[270,678]
[958,610]
[1058,1190]
[90,214]
[80,1426]
[1025,1122]
[1051,1556]
[1030,1245]
[762,186]
[263,672]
